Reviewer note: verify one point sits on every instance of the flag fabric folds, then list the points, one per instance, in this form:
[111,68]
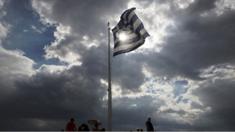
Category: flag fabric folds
[129,33]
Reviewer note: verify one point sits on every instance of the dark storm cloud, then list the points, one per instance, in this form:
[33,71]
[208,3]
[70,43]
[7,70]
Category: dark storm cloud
[200,42]
[220,96]
[127,73]
[200,6]
[24,124]
[165,66]
[73,93]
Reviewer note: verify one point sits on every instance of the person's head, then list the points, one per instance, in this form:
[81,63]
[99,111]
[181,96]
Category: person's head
[149,119]
[72,119]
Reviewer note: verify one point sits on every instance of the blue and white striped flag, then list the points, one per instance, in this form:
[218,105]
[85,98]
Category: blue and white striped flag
[129,33]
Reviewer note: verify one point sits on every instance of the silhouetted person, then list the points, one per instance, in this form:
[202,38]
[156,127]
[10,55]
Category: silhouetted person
[71,125]
[83,127]
[149,125]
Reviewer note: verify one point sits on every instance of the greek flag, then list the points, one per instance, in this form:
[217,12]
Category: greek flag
[129,33]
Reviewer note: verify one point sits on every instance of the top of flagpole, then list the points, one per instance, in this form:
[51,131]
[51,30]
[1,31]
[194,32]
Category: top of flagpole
[108,24]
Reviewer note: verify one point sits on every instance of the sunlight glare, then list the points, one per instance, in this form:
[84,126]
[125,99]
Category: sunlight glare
[123,36]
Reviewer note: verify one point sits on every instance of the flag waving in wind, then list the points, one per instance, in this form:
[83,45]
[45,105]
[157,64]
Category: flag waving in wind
[129,33]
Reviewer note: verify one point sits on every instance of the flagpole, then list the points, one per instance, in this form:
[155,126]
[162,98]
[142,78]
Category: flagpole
[109,85]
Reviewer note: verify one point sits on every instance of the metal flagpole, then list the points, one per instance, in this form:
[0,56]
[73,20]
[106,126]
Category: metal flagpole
[109,85]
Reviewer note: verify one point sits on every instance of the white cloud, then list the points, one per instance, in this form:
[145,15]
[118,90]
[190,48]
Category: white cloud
[15,63]
[183,4]
[38,30]
[1,3]
[221,71]
[224,5]
[2,12]
[4,29]
[64,54]
[44,8]
[179,107]
[51,68]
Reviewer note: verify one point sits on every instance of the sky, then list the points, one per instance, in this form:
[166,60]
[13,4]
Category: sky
[53,56]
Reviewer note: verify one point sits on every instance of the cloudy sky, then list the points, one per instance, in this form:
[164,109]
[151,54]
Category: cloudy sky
[53,56]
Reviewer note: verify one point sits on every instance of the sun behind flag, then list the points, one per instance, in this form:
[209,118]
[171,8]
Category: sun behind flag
[129,33]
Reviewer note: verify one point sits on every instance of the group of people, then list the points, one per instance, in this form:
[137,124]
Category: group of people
[71,126]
